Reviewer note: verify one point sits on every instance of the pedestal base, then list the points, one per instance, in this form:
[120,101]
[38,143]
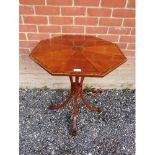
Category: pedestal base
[76,89]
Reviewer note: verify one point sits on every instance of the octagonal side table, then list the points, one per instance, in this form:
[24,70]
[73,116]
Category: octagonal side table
[77,56]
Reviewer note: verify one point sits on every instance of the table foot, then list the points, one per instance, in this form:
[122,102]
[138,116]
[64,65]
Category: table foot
[88,105]
[64,104]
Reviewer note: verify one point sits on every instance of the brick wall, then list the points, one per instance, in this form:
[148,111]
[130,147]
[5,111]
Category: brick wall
[113,20]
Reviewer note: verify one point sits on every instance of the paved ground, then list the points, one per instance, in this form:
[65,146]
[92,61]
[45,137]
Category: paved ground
[45,132]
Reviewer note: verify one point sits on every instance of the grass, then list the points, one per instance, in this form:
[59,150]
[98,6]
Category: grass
[114,90]
[88,88]
[42,88]
[35,89]
[45,88]
[125,90]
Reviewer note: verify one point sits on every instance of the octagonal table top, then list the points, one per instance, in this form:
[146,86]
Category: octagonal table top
[77,55]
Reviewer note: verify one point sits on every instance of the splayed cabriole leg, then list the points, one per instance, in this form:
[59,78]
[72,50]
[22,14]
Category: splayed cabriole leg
[76,89]
[88,105]
[75,112]
[63,105]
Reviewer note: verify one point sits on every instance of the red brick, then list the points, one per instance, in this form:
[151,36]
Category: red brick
[22,36]
[73,29]
[99,12]
[35,2]
[73,11]
[34,36]
[133,31]
[20,20]
[52,29]
[61,20]
[86,2]
[99,30]
[131,4]
[24,51]
[27,28]
[131,47]
[123,13]
[26,10]
[130,39]
[129,54]
[110,21]
[129,22]
[60,2]
[86,21]
[109,38]
[35,20]
[27,44]
[119,30]
[47,10]
[54,35]
[122,45]
[113,3]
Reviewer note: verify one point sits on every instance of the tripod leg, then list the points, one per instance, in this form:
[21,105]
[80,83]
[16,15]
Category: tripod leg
[75,111]
[64,104]
[88,105]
